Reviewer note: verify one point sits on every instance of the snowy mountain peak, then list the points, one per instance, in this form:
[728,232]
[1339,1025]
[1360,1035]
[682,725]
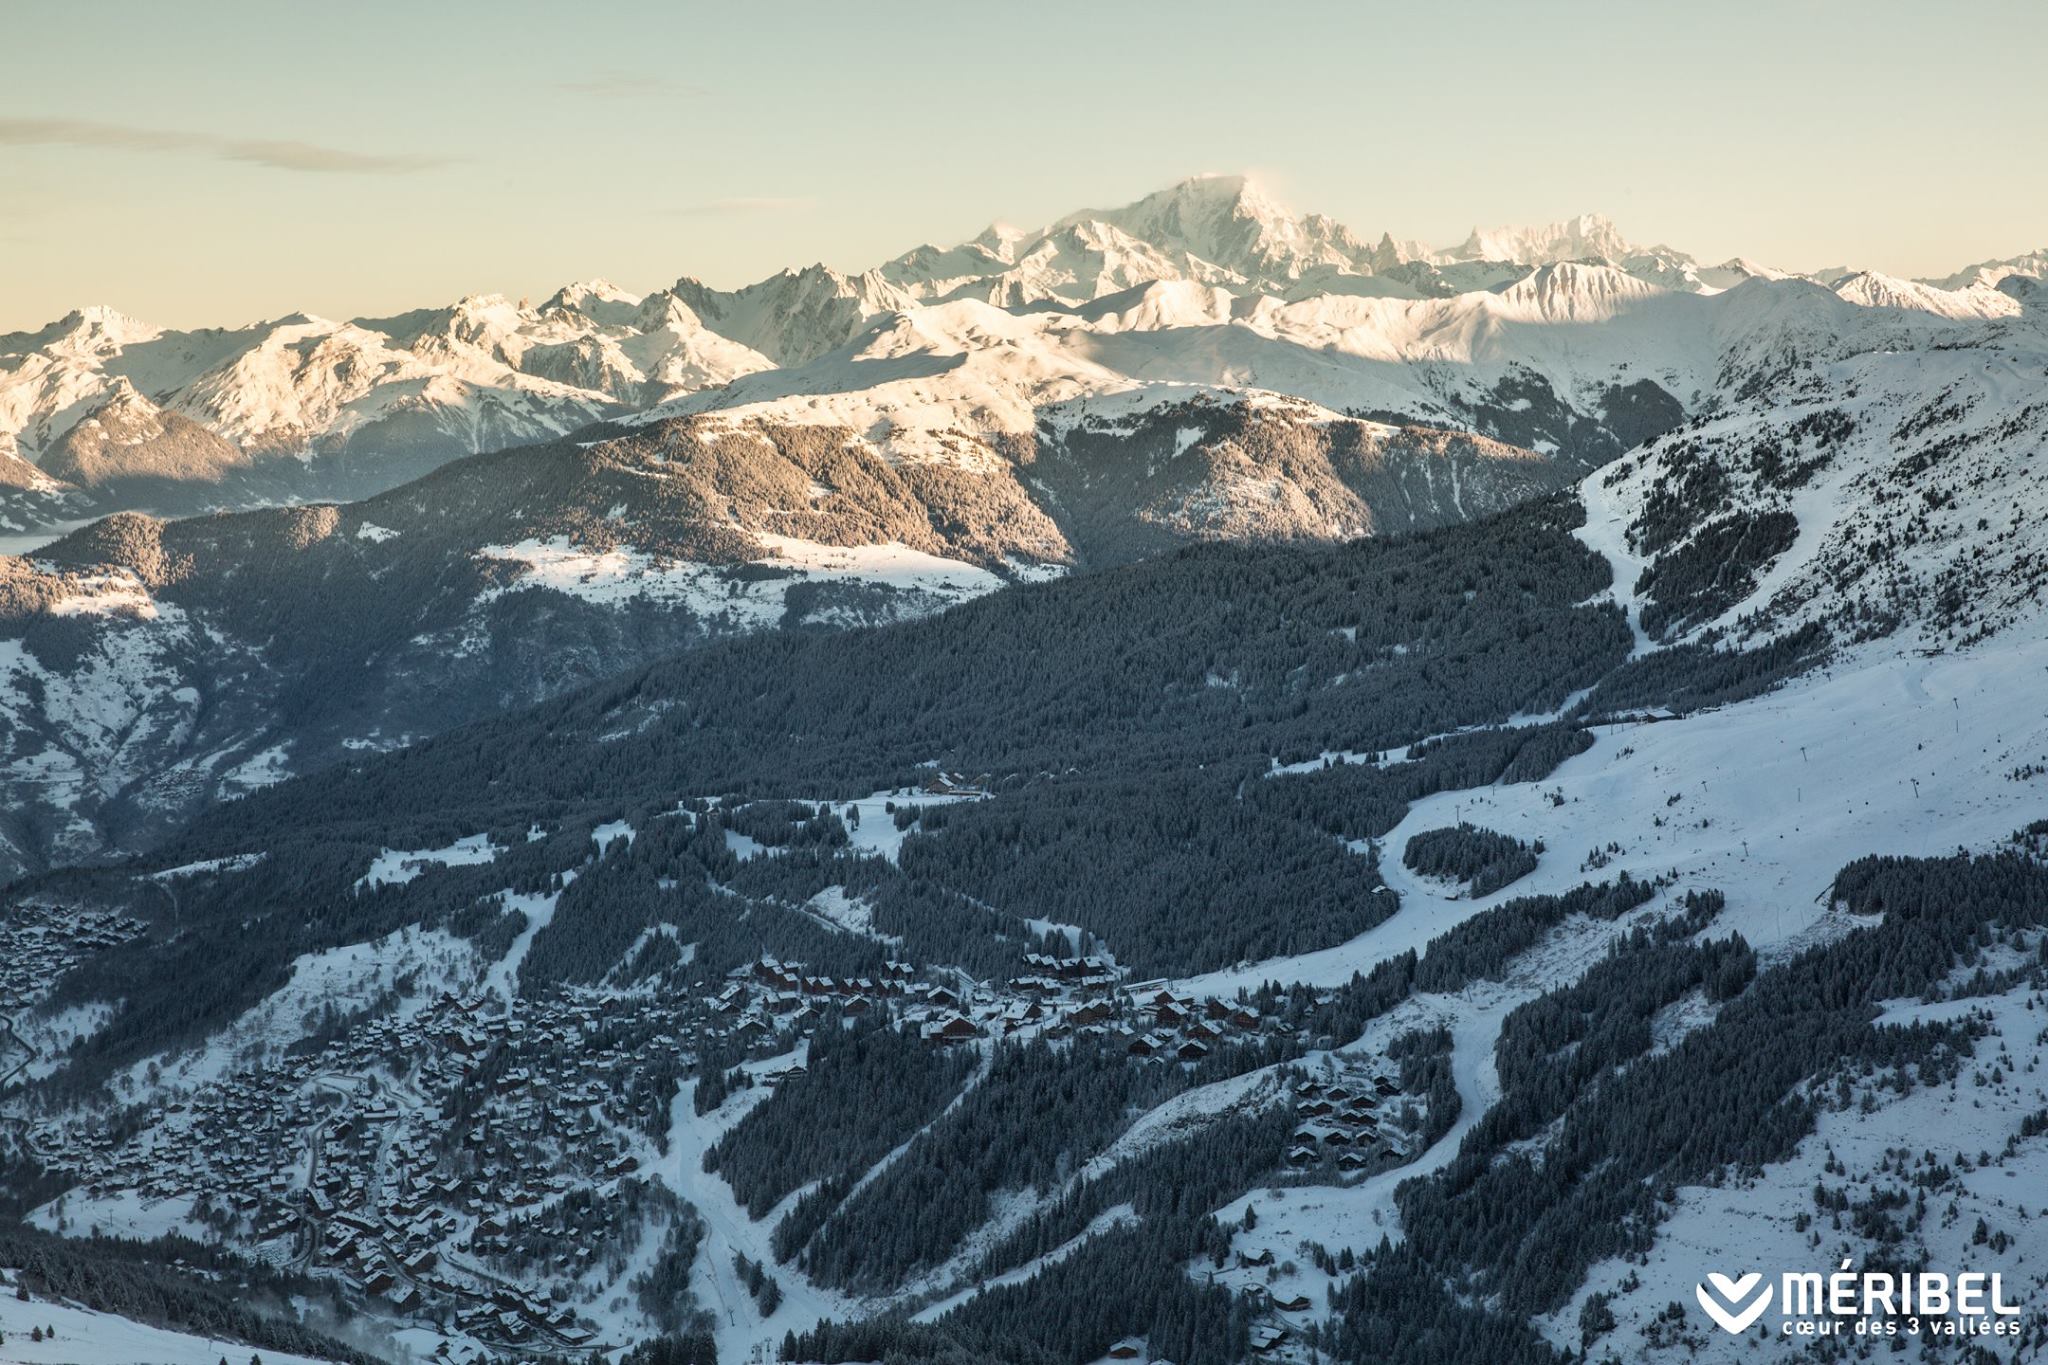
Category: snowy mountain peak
[1230,221]
[798,314]
[1589,236]
[2031,265]
[1874,289]
[1575,291]
[599,300]
[93,330]
[1000,240]
[595,290]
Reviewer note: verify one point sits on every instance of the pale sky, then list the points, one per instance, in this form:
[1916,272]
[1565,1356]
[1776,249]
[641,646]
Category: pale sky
[214,164]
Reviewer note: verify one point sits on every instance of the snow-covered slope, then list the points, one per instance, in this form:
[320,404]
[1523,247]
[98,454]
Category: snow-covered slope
[35,1330]
[1977,299]
[1892,493]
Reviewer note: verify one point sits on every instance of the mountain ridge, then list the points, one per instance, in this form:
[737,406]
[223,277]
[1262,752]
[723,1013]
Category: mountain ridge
[322,408]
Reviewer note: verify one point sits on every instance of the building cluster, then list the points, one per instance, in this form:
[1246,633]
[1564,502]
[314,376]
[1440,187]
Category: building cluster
[476,1163]
[1342,1121]
[1185,1028]
[39,943]
[421,1159]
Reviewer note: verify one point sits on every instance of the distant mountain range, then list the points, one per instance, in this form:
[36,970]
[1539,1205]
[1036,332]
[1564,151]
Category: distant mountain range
[1206,286]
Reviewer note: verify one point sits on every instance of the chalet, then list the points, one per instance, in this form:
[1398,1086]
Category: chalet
[1192,1050]
[1130,1348]
[1291,1303]
[1093,1012]
[1263,1257]
[949,784]
[1268,1339]
[955,1028]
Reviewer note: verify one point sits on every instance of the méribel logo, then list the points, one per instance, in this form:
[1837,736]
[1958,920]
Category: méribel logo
[1734,1304]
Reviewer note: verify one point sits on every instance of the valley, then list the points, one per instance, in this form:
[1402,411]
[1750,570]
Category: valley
[1181,786]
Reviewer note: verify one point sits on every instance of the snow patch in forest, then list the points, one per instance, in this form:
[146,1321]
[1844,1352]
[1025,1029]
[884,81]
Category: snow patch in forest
[393,867]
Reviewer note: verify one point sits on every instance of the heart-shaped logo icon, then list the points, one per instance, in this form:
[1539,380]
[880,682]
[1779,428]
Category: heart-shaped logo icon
[1724,1303]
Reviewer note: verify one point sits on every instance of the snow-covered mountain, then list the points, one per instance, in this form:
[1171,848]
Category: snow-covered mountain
[1590,236]
[1210,283]
[305,407]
